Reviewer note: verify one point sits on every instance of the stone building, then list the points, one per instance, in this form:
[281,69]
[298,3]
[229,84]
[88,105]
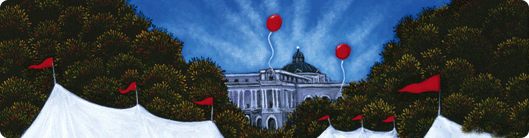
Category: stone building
[267,97]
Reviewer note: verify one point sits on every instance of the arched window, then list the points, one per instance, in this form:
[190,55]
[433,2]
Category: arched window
[249,120]
[325,98]
[308,98]
[271,123]
[259,123]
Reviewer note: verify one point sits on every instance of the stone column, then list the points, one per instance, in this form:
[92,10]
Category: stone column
[265,98]
[262,99]
[243,100]
[273,98]
[251,99]
[239,99]
[286,98]
[292,99]
[278,95]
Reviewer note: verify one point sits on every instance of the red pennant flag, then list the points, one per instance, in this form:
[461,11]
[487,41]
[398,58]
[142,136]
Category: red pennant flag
[132,86]
[324,118]
[207,101]
[45,64]
[431,84]
[359,117]
[389,119]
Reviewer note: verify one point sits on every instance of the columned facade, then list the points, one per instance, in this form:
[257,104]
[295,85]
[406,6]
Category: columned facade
[268,96]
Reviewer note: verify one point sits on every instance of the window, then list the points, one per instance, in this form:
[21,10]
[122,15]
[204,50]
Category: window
[271,124]
[226,80]
[246,80]
[236,80]
[259,122]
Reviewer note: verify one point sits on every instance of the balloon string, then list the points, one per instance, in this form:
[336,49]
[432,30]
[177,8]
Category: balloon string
[272,51]
[343,72]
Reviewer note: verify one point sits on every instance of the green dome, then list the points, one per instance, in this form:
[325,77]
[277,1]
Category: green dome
[298,55]
[298,64]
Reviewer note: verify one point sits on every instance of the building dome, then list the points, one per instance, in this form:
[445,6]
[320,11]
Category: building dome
[298,64]
[298,55]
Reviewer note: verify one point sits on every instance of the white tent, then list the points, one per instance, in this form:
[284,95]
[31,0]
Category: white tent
[1,135]
[444,128]
[67,115]
[330,132]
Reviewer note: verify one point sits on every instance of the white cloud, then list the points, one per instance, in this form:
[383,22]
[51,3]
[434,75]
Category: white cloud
[271,6]
[240,40]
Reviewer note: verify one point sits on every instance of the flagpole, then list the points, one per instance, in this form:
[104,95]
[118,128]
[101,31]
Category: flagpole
[439,111]
[137,96]
[212,112]
[393,124]
[362,122]
[53,69]
[329,119]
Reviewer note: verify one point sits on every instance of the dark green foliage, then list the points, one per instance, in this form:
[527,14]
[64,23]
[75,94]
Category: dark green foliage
[112,43]
[72,18]
[482,87]
[346,109]
[480,49]
[16,118]
[517,89]
[230,120]
[456,106]
[490,115]
[204,76]
[417,119]
[303,120]
[81,72]
[14,23]
[96,25]
[157,47]
[520,119]
[375,112]
[100,46]
[14,57]
[510,59]
[102,90]
[16,89]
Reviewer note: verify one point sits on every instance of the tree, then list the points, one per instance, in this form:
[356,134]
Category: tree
[99,46]
[480,49]
[303,121]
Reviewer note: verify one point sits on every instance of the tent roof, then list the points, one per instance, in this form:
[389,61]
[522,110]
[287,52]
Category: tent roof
[330,132]
[66,115]
[444,128]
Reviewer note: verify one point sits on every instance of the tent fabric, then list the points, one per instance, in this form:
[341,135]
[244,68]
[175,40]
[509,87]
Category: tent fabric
[330,132]
[1,135]
[66,115]
[444,128]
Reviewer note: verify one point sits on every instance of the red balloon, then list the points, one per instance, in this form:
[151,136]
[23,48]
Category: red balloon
[274,22]
[343,51]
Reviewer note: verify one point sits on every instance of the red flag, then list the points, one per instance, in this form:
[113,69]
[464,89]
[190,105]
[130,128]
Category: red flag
[207,101]
[389,119]
[359,117]
[132,86]
[431,84]
[324,118]
[45,64]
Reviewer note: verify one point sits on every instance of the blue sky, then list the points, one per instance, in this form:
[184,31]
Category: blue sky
[233,32]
